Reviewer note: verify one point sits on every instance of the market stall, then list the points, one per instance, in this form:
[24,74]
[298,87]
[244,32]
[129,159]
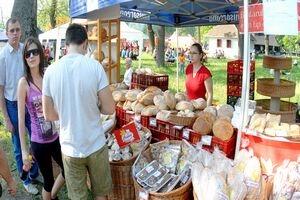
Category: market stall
[198,140]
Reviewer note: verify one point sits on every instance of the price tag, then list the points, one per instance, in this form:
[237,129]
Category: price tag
[143,195]
[186,134]
[152,121]
[206,140]
[137,118]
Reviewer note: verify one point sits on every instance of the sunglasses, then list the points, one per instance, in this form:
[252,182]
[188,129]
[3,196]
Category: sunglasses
[34,52]
[17,30]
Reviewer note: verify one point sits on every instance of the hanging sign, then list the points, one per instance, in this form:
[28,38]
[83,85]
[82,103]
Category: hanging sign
[280,17]
[127,135]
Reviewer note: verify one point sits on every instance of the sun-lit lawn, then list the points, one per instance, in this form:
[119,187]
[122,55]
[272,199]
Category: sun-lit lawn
[218,68]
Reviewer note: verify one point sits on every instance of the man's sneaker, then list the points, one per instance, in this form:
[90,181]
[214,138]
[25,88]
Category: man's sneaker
[31,189]
[37,180]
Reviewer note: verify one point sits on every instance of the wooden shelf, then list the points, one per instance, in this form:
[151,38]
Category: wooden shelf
[94,38]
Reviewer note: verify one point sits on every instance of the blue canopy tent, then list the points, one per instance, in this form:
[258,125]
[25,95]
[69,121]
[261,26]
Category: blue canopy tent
[178,13]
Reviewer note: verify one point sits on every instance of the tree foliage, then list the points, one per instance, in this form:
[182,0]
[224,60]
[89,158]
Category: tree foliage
[52,13]
[289,43]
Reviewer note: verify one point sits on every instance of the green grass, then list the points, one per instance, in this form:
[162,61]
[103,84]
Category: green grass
[218,68]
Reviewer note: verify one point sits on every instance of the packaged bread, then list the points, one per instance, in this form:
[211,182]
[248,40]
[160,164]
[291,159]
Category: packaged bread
[170,99]
[180,96]
[147,99]
[131,95]
[294,130]
[202,126]
[184,105]
[120,103]
[150,111]
[272,120]
[163,115]
[212,110]
[222,129]
[258,122]
[127,105]
[160,102]
[199,104]
[119,95]
[225,110]
[252,173]
[155,90]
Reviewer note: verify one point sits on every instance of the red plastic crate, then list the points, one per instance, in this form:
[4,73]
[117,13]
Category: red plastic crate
[236,67]
[237,79]
[236,90]
[228,146]
[142,81]
[120,112]
[129,116]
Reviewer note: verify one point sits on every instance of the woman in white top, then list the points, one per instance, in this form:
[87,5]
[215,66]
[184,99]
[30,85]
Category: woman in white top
[128,72]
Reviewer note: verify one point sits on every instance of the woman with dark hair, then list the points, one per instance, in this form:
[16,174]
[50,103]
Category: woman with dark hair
[198,77]
[44,139]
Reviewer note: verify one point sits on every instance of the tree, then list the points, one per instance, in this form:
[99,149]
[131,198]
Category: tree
[289,43]
[151,37]
[160,53]
[52,13]
[26,12]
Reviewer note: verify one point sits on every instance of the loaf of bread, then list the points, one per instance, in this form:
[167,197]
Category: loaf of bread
[127,105]
[199,104]
[163,115]
[170,99]
[150,111]
[258,122]
[132,94]
[155,90]
[119,95]
[272,120]
[160,102]
[225,110]
[212,110]
[222,129]
[184,105]
[147,99]
[202,126]
[180,96]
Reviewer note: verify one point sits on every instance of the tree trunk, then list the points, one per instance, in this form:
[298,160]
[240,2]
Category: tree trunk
[240,44]
[26,12]
[52,13]
[160,53]
[266,44]
[151,37]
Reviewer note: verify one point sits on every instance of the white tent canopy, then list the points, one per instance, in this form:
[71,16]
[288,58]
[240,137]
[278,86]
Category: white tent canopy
[3,36]
[183,41]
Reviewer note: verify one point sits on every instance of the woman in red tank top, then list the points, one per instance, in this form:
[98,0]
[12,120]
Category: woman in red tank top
[198,81]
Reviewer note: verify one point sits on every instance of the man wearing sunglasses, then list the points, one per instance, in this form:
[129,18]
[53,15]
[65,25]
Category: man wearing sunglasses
[11,70]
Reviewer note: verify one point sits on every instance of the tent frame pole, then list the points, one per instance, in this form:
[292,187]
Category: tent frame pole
[246,72]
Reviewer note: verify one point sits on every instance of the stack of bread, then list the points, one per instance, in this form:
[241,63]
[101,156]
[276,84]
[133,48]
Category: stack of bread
[270,125]
[216,120]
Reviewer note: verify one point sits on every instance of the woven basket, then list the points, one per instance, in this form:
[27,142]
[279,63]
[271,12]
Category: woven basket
[267,87]
[277,63]
[287,110]
[123,186]
[182,193]
[182,121]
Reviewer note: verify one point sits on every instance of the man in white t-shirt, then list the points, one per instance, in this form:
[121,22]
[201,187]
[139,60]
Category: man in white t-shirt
[75,91]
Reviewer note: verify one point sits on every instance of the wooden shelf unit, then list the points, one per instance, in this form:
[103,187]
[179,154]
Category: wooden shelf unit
[110,49]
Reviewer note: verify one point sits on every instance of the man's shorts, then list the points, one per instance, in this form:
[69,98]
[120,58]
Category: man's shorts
[98,168]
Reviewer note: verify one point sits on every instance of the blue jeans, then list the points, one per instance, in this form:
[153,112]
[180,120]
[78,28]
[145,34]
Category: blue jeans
[12,110]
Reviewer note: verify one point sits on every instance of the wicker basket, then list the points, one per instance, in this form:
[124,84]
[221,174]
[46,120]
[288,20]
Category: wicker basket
[182,193]
[267,87]
[123,186]
[277,63]
[182,121]
[287,110]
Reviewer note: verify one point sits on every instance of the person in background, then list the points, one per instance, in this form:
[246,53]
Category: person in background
[11,70]
[198,81]
[6,175]
[128,72]
[44,139]
[82,83]
[181,60]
